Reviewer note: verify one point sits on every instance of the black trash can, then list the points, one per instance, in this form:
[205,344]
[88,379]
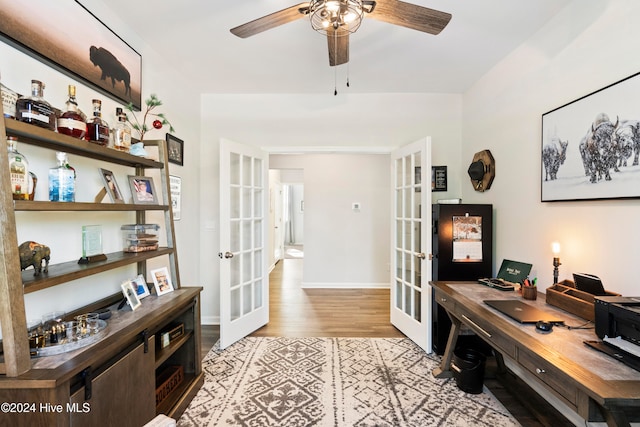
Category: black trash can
[468,369]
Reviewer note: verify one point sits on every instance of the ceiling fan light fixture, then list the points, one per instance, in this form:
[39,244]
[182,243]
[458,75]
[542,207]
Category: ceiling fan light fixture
[342,16]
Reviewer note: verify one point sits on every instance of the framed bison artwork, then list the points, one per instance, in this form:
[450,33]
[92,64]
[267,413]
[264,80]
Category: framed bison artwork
[590,146]
[66,36]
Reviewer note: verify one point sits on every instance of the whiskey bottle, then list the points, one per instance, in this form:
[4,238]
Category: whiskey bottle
[72,122]
[19,170]
[122,137]
[62,186]
[34,109]
[97,128]
[9,99]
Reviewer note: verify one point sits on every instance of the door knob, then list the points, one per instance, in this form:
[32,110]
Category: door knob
[421,255]
[225,255]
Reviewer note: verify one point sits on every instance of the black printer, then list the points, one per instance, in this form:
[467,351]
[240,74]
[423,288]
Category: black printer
[617,316]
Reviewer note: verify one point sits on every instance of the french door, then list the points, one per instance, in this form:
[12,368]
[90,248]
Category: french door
[411,242]
[244,279]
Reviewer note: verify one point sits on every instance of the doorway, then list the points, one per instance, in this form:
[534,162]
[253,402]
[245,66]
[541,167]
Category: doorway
[286,206]
[293,220]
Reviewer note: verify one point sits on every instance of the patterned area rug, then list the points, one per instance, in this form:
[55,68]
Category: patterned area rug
[302,382]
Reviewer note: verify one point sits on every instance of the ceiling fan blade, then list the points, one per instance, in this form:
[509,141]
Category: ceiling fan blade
[338,48]
[410,15]
[272,20]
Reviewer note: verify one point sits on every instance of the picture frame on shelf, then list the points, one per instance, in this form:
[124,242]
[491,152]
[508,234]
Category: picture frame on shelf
[111,185]
[175,149]
[143,190]
[140,286]
[587,149]
[130,295]
[99,57]
[162,281]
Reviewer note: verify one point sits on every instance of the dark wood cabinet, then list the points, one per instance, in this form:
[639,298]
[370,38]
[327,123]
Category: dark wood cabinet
[123,394]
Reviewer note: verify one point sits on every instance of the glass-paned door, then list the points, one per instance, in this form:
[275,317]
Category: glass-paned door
[244,278]
[411,242]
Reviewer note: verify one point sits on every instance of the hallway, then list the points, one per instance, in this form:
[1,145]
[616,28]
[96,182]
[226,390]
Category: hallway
[297,312]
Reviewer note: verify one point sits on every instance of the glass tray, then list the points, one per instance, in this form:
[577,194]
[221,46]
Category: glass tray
[65,346]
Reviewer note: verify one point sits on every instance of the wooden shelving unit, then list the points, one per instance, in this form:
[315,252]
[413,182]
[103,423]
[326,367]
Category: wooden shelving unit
[101,373]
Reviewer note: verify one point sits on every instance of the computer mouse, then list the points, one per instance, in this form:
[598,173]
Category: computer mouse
[543,326]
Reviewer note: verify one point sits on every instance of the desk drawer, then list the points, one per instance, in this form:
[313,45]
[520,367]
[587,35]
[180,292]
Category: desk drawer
[550,375]
[488,332]
[444,300]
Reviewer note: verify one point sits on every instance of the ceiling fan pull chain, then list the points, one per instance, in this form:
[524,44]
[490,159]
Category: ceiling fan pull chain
[348,74]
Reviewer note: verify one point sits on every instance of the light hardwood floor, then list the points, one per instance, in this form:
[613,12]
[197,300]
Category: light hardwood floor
[297,312]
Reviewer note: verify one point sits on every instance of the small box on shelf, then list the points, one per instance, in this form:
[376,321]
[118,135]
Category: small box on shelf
[171,334]
[139,237]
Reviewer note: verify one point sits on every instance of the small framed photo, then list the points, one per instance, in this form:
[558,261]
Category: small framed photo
[175,149]
[140,286]
[130,294]
[438,178]
[111,185]
[162,281]
[143,190]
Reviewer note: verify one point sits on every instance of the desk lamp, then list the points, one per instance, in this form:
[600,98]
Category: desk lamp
[555,248]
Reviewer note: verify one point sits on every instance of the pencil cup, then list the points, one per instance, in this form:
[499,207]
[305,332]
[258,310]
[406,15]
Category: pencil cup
[529,292]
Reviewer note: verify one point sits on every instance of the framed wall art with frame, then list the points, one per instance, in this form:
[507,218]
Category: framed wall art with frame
[92,52]
[438,178]
[175,148]
[590,146]
[175,185]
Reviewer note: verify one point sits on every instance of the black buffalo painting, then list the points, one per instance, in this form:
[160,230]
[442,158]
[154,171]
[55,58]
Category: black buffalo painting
[66,35]
[591,146]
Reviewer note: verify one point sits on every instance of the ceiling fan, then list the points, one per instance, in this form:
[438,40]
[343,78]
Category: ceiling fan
[339,18]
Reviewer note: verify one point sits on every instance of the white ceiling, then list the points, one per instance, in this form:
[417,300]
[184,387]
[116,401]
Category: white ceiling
[293,58]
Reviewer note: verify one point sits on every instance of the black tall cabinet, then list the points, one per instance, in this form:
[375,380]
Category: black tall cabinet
[445,218]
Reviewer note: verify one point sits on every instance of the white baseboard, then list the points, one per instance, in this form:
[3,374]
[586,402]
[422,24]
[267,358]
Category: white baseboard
[346,285]
[210,320]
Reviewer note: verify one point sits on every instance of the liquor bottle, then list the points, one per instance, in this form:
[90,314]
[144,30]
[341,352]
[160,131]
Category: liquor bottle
[97,128]
[62,186]
[34,109]
[19,169]
[122,137]
[9,99]
[72,122]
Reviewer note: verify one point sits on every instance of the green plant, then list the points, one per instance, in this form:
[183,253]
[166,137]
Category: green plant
[141,127]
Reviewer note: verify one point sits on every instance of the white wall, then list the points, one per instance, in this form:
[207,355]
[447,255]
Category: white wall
[590,45]
[344,248]
[64,238]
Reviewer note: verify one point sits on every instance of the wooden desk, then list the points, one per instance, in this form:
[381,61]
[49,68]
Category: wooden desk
[594,385]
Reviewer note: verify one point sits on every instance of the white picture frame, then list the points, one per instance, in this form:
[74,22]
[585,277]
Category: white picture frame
[130,294]
[140,286]
[162,281]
